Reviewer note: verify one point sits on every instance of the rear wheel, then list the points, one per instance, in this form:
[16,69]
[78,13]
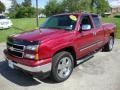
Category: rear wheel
[62,66]
[109,45]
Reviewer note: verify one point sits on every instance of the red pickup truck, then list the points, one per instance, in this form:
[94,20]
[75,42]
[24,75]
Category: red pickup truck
[61,43]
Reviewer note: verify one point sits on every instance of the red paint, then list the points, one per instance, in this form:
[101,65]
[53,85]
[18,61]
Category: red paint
[53,40]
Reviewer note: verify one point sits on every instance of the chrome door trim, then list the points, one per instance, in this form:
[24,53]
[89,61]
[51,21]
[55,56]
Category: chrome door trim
[91,45]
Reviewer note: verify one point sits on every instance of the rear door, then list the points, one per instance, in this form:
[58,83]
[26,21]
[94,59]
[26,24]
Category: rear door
[99,31]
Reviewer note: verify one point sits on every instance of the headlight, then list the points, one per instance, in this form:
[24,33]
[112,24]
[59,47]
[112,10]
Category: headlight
[31,47]
[34,49]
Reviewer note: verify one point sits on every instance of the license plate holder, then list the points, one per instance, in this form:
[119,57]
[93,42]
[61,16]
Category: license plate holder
[10,64]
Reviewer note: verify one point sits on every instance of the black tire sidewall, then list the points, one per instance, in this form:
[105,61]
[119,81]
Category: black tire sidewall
[56,60]
[107,47]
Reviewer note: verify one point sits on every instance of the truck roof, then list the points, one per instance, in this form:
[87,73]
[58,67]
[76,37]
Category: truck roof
[78,13]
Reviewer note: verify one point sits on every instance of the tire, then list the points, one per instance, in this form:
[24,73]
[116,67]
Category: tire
[109,45]
[62,66]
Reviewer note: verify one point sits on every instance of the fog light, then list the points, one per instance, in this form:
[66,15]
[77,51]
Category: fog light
[30,56]
[31,47]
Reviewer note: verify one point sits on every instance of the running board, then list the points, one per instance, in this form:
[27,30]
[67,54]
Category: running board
[82,60]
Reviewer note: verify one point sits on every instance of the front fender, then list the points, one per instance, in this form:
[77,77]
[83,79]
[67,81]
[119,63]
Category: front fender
[47,50]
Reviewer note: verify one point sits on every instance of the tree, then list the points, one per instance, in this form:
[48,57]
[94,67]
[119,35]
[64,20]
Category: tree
[84,5]
[13,6]
[13,9]
[100,5]
[27,3]
[53,7]
[2,7]
[71,5]
[59,6]
[21,10]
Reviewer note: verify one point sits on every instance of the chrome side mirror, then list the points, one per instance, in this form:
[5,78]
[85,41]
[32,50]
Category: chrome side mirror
[86,27]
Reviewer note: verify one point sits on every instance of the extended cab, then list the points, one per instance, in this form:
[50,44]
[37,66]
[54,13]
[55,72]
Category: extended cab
[63,41]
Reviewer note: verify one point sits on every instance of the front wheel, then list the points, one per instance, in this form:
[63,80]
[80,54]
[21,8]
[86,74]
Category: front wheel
[62,66]
[109,45]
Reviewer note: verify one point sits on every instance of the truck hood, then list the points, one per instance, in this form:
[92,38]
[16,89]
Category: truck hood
[40,34]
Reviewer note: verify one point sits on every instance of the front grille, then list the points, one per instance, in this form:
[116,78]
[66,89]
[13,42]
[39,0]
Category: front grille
[15,53]
[15,50]
[16,47]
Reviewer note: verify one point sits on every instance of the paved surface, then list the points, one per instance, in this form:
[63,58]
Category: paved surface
[102,72]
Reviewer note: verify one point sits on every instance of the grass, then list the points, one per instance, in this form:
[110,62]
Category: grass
[27,24]
[116,21]
[20,25]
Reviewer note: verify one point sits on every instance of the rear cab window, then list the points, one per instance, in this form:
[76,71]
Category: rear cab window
[96,21]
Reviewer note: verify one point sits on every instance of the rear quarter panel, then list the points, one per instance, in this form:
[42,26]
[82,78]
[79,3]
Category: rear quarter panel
[108,29]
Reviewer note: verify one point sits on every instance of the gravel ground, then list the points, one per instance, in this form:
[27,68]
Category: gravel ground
[102,72]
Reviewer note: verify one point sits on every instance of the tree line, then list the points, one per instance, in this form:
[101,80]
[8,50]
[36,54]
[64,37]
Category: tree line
[57,6]
[25,9]
[2,7]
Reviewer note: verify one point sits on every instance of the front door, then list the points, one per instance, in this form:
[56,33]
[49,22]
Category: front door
[85,38]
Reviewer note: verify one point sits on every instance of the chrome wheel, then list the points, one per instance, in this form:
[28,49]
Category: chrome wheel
[111,42]
[64,67]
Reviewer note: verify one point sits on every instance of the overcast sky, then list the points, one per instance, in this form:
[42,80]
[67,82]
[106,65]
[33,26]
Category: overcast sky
[7,3]
[42,3]
[114,3]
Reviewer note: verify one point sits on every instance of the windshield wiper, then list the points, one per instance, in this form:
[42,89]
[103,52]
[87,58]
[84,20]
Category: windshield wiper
[52,27]
[67,29]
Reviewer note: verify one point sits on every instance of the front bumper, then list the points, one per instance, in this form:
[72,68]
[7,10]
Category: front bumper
[44,68]
[28,65]
[5,27]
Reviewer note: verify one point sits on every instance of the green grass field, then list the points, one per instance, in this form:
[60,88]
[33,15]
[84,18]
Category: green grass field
[27,24]
[20,25]
[117,23]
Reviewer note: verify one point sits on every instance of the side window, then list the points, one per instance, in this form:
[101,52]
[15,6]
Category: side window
[86,21]
[96,21]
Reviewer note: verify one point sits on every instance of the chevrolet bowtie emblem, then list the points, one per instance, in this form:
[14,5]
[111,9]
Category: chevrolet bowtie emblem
[11,48]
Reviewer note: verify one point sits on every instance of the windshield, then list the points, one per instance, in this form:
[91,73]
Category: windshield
[2,17]
[67,22]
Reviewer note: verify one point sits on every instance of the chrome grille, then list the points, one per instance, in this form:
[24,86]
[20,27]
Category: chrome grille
[16,47]
[15,50]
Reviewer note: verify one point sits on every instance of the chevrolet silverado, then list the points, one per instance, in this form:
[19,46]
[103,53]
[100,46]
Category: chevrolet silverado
[61,43]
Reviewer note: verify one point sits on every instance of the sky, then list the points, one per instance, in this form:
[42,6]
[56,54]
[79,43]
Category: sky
[41,3]
[7,3]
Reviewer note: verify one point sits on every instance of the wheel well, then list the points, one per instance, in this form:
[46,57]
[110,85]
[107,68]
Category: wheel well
[69,49]
[112,34]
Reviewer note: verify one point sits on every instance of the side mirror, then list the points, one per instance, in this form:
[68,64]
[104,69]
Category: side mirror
[86,27]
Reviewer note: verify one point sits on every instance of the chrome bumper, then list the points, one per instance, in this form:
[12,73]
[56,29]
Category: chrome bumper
[43,68]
